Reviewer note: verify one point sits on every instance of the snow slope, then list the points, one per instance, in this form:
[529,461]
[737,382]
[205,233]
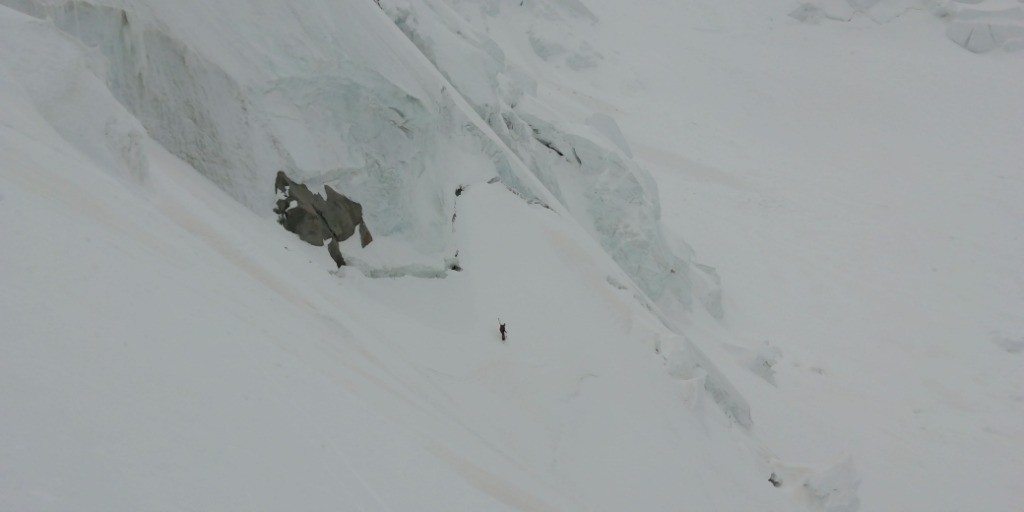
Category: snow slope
[167,348]
[858,187]
[336,94]
[855,183]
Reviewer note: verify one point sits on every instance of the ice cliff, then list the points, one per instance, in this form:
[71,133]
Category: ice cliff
[395,130]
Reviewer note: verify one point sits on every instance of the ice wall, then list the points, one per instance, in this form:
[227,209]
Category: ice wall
[333,96]
[585,163]
[394,106]
[61,82]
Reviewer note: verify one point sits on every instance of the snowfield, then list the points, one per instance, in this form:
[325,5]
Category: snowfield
[755,256]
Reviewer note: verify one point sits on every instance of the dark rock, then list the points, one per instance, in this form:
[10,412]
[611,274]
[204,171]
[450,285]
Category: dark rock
[304,221]
[281,182]
[282,206]
[364,234]
[453,263]
[341,213]
[316,219]
[335,252]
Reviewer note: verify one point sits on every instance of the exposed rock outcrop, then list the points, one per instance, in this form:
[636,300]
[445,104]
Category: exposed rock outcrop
[316,219]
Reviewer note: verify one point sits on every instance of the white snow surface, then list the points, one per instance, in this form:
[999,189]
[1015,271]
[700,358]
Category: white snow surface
[854,187]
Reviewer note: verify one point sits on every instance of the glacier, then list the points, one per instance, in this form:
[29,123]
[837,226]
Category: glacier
[749,259]
[112,106]
[312,100]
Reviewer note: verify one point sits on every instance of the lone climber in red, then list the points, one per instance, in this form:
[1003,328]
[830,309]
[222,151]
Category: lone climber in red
[501,329]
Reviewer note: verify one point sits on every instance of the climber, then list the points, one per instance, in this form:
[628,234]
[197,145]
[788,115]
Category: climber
[501,329]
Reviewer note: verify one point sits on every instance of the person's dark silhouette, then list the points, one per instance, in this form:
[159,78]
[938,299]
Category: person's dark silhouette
[501,329]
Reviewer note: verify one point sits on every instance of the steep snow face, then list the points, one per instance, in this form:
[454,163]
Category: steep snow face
[857,186]
[163,345]
[67,94]
[977,25]
[579,154]
[333,96]
[330,95]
